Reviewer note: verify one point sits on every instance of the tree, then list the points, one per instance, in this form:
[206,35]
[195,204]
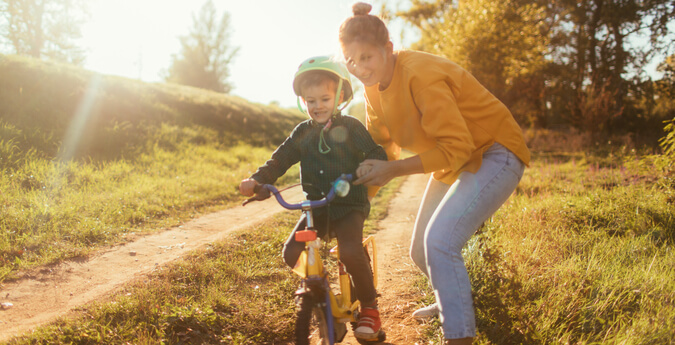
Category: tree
[43,29]
[597,40]
[205,53]
[554,61]
[666,86]
[500,42]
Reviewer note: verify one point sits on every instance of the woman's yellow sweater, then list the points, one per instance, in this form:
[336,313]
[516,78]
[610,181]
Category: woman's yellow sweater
[438,110]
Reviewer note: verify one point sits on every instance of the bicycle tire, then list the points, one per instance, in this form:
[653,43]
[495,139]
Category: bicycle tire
[311,325]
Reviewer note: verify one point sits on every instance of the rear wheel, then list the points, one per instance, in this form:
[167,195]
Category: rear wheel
[311,325]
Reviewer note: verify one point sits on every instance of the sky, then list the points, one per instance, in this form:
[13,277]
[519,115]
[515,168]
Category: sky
[137,38]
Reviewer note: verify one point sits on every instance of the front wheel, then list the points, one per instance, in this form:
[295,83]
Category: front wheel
[311,324]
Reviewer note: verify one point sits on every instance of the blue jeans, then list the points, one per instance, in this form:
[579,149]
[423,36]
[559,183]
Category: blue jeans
[447,218]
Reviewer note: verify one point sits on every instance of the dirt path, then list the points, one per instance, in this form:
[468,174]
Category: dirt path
[396,272]
[54,292]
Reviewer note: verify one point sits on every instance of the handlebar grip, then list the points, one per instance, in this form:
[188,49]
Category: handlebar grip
[261,192]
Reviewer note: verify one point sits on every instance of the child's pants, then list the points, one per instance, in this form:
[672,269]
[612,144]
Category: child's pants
[349,233]
[447,218]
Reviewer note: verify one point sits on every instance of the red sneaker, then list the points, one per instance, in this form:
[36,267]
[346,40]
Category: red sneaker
[369,326]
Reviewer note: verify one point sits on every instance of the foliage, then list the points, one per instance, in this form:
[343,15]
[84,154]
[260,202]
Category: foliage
[666,85]
[596,40]
[205,53]
[563,63]
[473,33]
[44,28]
[668,145]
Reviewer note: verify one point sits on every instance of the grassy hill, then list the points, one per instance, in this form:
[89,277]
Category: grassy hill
[44,105]
[88,158]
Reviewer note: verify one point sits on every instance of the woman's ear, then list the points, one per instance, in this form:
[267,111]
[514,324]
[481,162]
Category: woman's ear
[342,96]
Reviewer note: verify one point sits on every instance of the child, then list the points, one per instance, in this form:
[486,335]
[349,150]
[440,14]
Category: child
[328,145]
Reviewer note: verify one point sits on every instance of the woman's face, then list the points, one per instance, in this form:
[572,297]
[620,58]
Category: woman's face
[369,63]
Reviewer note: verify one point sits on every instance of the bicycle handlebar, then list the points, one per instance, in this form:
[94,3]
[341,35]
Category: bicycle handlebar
[339,188]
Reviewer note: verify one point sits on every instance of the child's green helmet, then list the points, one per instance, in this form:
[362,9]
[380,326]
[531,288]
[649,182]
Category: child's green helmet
[326,64]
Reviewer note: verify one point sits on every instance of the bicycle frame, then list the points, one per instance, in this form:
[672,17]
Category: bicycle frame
[342,305]
[310,265]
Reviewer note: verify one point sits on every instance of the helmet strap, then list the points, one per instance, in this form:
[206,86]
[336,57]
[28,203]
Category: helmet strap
[322,139]
[326,127]
[302,109]
[337,97]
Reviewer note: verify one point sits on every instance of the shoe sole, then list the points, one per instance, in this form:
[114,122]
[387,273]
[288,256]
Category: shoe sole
[426,314]
[424,317]
[368,336]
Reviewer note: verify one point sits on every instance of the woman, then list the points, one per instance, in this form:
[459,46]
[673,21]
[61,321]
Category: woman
[459,132]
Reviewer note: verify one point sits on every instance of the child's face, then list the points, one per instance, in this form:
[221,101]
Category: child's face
[320,100]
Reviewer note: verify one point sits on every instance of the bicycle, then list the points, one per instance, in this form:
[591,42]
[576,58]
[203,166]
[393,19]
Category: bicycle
[322,314]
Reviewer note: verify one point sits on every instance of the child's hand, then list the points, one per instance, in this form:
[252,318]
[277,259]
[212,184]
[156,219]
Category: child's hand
[363,170]
[246,186]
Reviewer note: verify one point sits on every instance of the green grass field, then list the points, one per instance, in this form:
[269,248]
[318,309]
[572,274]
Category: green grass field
[582,253]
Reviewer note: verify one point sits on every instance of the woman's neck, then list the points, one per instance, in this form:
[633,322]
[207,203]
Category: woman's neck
[391,65]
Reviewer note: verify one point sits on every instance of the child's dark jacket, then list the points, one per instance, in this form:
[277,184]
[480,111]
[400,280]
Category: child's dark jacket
[349,142]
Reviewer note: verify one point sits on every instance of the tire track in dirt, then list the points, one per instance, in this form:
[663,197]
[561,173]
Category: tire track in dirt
[55,291]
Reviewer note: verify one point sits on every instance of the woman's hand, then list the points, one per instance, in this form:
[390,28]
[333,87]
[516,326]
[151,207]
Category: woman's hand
[246,186]
[374,172]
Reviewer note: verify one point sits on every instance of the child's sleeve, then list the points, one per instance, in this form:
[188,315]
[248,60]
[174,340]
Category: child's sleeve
[284,157]
[365,143]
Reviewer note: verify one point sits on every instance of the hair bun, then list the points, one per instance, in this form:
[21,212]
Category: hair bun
[361,8]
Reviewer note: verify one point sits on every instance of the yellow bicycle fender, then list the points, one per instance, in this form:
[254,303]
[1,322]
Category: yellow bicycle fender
[371,241]
[340,313]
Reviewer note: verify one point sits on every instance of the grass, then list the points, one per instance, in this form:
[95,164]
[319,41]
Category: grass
[54,211]
[237,291]
[218,295]
[88,159]
[582,253]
